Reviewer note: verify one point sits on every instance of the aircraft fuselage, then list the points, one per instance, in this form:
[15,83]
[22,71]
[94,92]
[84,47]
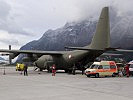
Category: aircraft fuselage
[67,60]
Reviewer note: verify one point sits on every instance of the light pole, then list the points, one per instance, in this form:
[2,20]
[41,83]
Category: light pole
[4,70]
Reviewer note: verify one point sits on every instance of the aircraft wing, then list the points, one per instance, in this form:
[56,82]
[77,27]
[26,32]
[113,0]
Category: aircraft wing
[91,49]
[32,52]
[111,54]
[117,52]
[83,48]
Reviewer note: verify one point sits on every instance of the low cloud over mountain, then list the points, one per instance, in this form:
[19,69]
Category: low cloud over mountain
[80,34]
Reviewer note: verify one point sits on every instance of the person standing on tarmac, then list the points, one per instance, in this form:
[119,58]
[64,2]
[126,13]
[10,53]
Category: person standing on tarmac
[118,69]
[73,69]
[25,70]
[127,70]
[82,69]
[53,70]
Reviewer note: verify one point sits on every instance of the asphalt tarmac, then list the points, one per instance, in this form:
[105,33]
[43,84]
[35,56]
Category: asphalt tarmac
[44,86]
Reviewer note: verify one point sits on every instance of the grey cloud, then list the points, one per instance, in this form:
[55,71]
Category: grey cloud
[8,23]
[4,10]
[28,16]
[88,8]
[46,14]
[9,41]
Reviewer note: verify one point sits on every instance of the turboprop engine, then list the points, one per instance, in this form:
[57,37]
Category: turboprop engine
[30,58]
[44,62]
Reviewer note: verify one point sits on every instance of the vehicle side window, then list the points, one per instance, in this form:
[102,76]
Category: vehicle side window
[106,67]
[100,67]
[112,67]
[131,66]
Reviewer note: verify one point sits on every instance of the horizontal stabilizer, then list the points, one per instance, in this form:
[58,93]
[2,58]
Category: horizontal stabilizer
[123,50]
[111,49]
[111,54]
[84,48]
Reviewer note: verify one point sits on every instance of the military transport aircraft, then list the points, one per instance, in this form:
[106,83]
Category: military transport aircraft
[65,60]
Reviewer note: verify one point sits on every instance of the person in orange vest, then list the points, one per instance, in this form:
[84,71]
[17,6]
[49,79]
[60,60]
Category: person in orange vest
[53,70]
[127,70]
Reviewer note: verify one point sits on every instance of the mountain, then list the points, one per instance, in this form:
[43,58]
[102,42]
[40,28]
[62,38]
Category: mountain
[72,34]
[80,34]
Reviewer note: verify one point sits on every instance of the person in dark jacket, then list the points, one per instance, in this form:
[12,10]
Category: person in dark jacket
[25,70]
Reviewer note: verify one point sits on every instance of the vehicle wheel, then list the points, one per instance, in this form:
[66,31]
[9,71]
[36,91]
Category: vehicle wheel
[66,71]
[113,75]
[97,75]
[88,75]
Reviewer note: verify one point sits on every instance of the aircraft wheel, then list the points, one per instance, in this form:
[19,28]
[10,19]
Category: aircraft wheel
[73,72]
[69,71]
[41,69]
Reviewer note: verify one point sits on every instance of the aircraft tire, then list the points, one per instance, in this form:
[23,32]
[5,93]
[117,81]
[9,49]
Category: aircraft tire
[69,71]
[73,72]
[41,69]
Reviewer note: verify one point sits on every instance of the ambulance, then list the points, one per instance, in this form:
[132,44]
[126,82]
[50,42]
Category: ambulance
[102,69]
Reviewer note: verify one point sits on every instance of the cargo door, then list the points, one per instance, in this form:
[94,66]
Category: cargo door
[106,70]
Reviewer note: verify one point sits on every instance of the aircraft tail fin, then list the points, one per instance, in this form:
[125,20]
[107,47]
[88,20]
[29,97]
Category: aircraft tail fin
[101,38]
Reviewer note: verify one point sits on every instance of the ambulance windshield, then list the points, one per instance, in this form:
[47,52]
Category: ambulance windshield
[94,66]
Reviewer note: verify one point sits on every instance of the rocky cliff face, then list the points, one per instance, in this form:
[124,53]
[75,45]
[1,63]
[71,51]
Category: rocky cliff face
[80,34]
[71,34]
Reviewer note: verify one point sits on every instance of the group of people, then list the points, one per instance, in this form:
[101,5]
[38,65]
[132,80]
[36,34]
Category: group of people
[54,70]
[126,68]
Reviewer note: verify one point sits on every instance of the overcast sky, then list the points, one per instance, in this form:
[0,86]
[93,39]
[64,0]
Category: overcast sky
[22,21]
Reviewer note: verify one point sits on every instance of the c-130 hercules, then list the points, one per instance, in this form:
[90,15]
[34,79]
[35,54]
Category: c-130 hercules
[65,60]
